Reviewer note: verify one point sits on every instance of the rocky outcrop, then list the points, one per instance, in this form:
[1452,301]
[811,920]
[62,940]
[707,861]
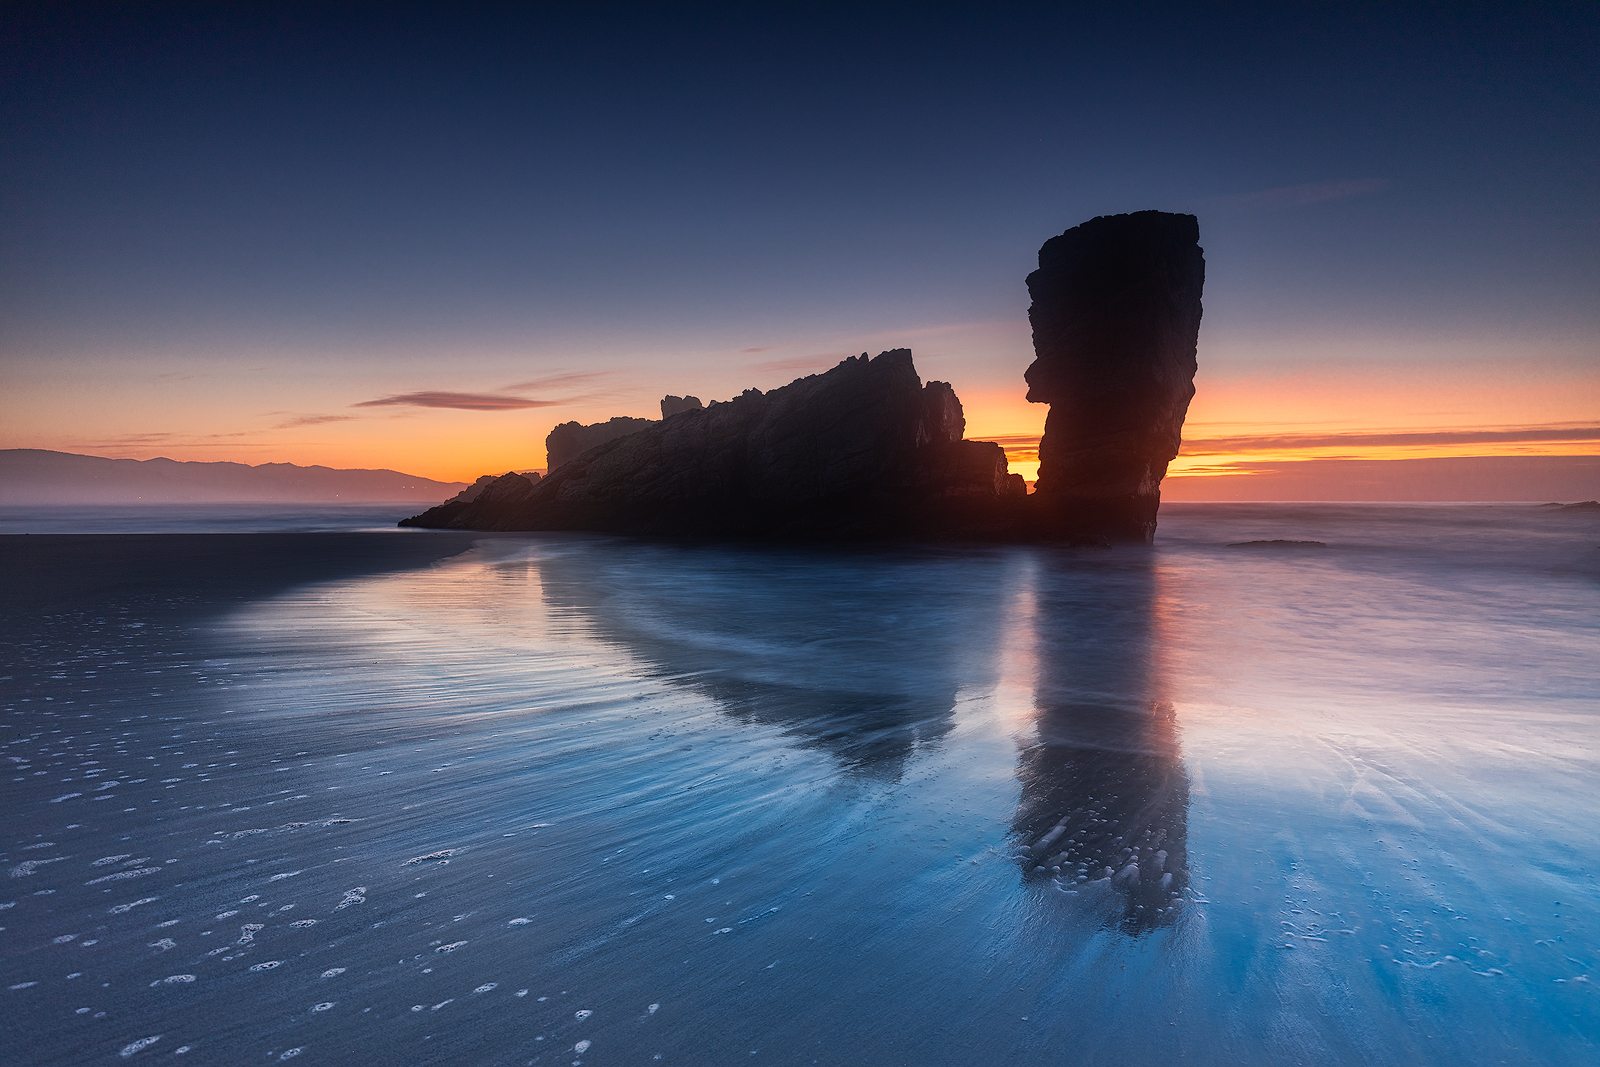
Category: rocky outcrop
[475,490]
[488,494]
[673,405]
[863,450]
[867,450]
[1115,315]
[470,493]
[570,440]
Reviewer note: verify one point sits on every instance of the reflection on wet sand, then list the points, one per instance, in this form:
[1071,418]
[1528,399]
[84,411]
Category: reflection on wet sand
[860,655]
[865,657]
[1105,796]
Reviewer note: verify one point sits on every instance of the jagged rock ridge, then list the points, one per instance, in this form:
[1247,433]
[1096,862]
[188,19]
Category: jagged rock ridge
[570,440]
[864,449]
[673,405]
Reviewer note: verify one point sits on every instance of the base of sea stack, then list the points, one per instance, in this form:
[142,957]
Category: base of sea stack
[1013,520]
[1126,519]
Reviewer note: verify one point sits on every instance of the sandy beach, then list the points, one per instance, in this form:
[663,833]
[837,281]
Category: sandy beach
[536,800]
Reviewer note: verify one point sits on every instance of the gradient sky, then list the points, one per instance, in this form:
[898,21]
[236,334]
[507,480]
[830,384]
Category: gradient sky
[415,238]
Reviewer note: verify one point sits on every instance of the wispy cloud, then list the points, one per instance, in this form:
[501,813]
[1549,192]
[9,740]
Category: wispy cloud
[1498,478]
[1007,440]
[1019,447]
[145,440]
[755,350]
[1026,446]
[311,420]
[1304,195]
[558,381]
[121,444]
[461,401]
[811,363]
[1386,438]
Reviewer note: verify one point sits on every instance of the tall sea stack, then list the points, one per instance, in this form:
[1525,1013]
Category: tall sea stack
[1115,315]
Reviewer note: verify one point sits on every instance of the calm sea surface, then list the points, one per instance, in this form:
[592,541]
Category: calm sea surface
[563,799]
[203,518]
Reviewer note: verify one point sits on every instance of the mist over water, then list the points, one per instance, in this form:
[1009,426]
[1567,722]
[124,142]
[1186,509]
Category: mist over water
[581,799]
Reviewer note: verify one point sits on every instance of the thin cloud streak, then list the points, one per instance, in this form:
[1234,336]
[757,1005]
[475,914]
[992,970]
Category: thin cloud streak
[312,420]
[810,363]
[1264,442]
[146,440]
[461,401]
[121,446]
[1561,432]
[558,381]
[1465,478]
[1007,440]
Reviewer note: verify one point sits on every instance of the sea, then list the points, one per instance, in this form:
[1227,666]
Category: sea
[1299,784]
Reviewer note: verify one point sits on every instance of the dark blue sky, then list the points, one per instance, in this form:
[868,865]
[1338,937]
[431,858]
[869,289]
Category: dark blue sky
[385,198]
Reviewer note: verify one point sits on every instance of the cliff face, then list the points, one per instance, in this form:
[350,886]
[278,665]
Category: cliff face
[1115,315]
[863,450]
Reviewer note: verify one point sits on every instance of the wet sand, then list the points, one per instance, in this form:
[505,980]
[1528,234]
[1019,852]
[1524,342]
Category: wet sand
[192,575]
[345,799]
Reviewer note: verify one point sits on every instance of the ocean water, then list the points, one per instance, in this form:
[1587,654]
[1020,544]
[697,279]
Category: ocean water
[203,518]
[566,800]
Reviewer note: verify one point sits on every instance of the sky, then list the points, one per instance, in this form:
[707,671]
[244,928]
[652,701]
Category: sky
[417,237]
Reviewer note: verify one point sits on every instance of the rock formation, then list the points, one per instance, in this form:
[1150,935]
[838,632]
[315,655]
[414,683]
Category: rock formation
[487,495]
[863,450]
[572,439]
[866,450]
[672,405]
[1115,315]
[475,490]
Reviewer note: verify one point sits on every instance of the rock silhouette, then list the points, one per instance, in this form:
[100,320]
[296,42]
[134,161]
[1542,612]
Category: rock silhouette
[570,440]
[866,450]
[476,489]
[1115,315]
[485,496]
[862,450]
[672,405]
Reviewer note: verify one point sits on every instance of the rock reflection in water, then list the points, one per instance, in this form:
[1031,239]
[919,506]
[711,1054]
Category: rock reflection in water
[1105,795]
[858,654]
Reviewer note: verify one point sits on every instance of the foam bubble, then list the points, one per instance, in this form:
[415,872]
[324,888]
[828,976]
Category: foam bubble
[139,1046]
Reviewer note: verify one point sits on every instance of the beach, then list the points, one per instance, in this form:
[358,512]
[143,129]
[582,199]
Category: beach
[381,797]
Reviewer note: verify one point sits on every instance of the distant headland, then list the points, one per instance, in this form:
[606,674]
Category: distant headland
[34,477]
[867,450]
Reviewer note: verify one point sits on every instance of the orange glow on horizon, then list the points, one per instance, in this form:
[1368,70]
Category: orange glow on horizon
[1336,413]
[1248,417]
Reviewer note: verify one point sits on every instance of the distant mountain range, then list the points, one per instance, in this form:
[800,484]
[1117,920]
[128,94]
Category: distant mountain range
[32,476]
